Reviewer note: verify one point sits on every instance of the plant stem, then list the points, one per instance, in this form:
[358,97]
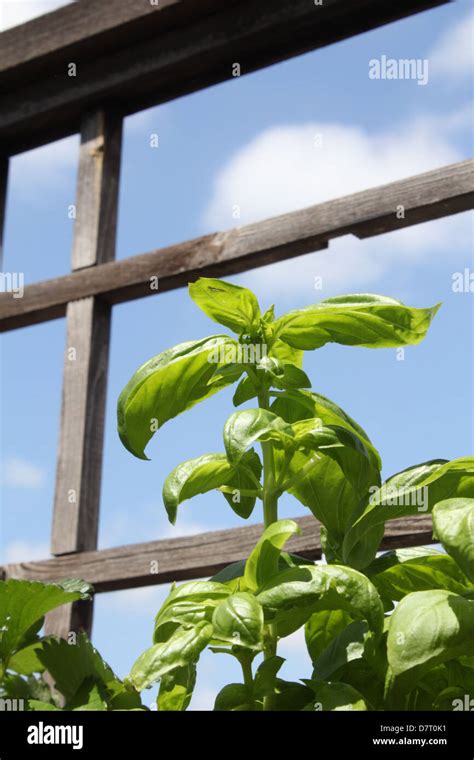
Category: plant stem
[270,515]
[246,664]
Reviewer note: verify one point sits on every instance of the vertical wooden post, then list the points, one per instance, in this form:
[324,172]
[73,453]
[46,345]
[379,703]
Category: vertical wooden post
[4,161]
[78,477]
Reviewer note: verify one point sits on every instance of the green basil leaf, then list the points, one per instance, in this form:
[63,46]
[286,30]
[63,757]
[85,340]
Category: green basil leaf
[188,604]
[235,307]
[285,353]
[350,644]
[195,476]
[409,492]
[290,696]
[179,614]
[355,320]
[421,573]
[196,591]
[314,588]
[283,374]
[331,697]
[23,605]
[263,562]
[428,628]
[297,406]
[209,472]
[226,374]
[181,649]
[322,627]
[238,620]
[453,522]
[167,385]
[244,391]
[265,676]
[243,478]
[234,697]
[176,689]
[243,428]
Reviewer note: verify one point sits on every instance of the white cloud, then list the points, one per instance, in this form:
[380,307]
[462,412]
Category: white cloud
[18,473]
[453,54]
[14,12]
[283,169]
[25,551]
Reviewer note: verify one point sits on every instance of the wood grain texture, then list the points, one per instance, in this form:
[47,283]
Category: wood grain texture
[42,103]
[427,196]
[193,556]
[97,190]
[79,464]
[4,163]
[79,29]
[78,474]
[70,617]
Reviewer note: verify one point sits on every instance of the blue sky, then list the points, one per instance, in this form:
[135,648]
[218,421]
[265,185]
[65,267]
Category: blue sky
[297,133]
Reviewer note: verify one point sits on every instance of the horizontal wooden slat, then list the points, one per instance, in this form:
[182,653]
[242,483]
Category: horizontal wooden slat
[193,556]
[427,196]
[152,65]
[82,28]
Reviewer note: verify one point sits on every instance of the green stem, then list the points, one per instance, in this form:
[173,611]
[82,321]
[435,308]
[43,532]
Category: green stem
[246,664]
[270,515]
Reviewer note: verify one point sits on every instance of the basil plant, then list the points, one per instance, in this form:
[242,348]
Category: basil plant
[394,631]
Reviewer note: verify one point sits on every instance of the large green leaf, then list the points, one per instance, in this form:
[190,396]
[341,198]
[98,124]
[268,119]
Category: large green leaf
[428,628]
[26,661]
[176,689]
[419,573]
[330,697]
[313,588]
[167,385]
[296,405]
[334,487]
[263,561]
[410,492]
[350,644]
[235,307]
[70,665]
[265,676]
[283,374]
[453,522]
[234,697]
[355,320]
[208,472]
[182,613]
[332,491]
[243,428]
[322,627]
[181,649]
[187,605]
[23,605]
[238,620]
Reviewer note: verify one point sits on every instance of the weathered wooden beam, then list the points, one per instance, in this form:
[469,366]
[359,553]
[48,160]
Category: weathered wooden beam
[432,195]
[83,28]
[190,557]
[160,61]
[4,162]
[79,468]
